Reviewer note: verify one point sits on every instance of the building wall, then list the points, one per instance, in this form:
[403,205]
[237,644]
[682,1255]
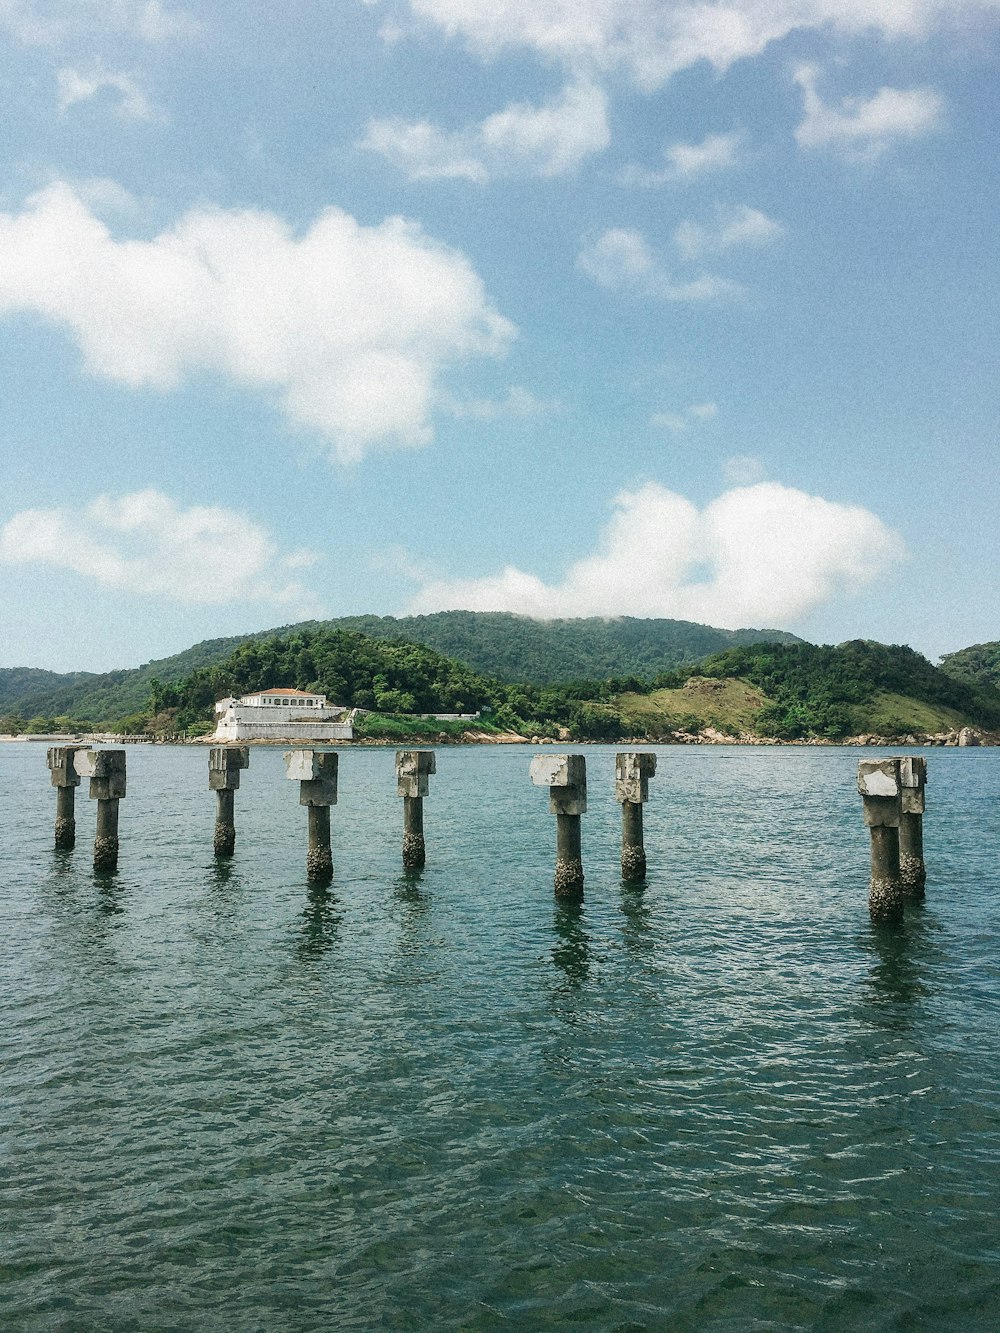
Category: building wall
[231,729]
[250,722]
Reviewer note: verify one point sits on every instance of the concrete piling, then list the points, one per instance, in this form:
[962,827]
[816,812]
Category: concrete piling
[565,775]
[65,779]
[913,872]
[413,770]
[224,764]
[880,785]
[632,774]
[106,771]
[316,773]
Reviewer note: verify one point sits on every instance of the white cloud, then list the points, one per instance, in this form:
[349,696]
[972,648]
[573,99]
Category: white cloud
[351,327]
[518,403]
[678,421]
[146,543]
[732,227]
[864,125]
[650,40]
[686,161]
[621,260]
[34,22]
[549,140]
[131,102]
[772,554]
[704,411]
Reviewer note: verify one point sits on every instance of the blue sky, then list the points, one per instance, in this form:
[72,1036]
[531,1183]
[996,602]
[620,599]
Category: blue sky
[591,308]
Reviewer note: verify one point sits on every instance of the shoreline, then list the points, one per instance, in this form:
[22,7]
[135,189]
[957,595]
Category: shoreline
[967,738]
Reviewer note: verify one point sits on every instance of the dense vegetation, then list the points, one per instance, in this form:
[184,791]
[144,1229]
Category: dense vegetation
[825,691]
[978,666]
[789,690]
[545,652]
[510,648]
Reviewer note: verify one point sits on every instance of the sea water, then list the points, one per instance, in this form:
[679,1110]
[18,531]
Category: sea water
[445,1100]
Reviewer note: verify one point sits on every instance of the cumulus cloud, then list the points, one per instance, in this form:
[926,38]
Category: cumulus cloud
[548,140]
[867,126]
[757,555]
[678,421]
[146,543]
[650,40]
[731,228]
[686,161]
[350,327]
[621,260]
[130,101]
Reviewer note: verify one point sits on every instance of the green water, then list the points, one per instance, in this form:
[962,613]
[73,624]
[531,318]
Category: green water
[723,1101]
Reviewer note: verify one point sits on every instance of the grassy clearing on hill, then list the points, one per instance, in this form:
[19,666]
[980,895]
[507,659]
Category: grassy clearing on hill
[897,714]
[731,706]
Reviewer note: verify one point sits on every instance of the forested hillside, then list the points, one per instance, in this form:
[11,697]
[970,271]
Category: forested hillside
[978,665]
[517,648]
[787,690]
[507,647]
[859,686]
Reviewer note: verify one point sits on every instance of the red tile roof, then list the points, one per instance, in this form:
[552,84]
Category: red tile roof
[303,694]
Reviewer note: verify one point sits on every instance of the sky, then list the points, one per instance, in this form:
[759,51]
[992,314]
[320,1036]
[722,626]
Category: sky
[562,307]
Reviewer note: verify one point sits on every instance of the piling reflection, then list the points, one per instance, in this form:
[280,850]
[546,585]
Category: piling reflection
[896,980]
[225,885]
[571,952]
[320,924]
[110,893]
[415,902]
[637,931]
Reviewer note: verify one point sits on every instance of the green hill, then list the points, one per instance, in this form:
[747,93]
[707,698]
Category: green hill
[801,690]
[790,690]
[978,665]
[517,648]
[508,647]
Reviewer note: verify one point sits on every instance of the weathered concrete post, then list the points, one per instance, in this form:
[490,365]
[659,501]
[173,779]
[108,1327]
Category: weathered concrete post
[316,773]
[106,771]
[565,775]
[65,779]
[913,771]
[632,774]
[880,786]
[413,769]
[224,764]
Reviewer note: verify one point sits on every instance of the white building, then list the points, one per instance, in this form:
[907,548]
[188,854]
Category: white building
[280,715]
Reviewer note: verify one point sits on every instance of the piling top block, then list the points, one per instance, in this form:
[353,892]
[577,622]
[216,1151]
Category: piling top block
[559,770]
[61,766]
[632,773]
[635,764]
[913,770]
[223,757]
[311,765]
[410,763]
[99,763]
[879,777]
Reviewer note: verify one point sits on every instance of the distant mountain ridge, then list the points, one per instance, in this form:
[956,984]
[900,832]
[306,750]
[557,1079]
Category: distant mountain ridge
[497,643]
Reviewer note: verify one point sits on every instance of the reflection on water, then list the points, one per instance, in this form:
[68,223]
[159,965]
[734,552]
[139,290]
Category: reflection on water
[320,923]
[637,930]
[896,980]
[407,888]
[571,952]
[111,893]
